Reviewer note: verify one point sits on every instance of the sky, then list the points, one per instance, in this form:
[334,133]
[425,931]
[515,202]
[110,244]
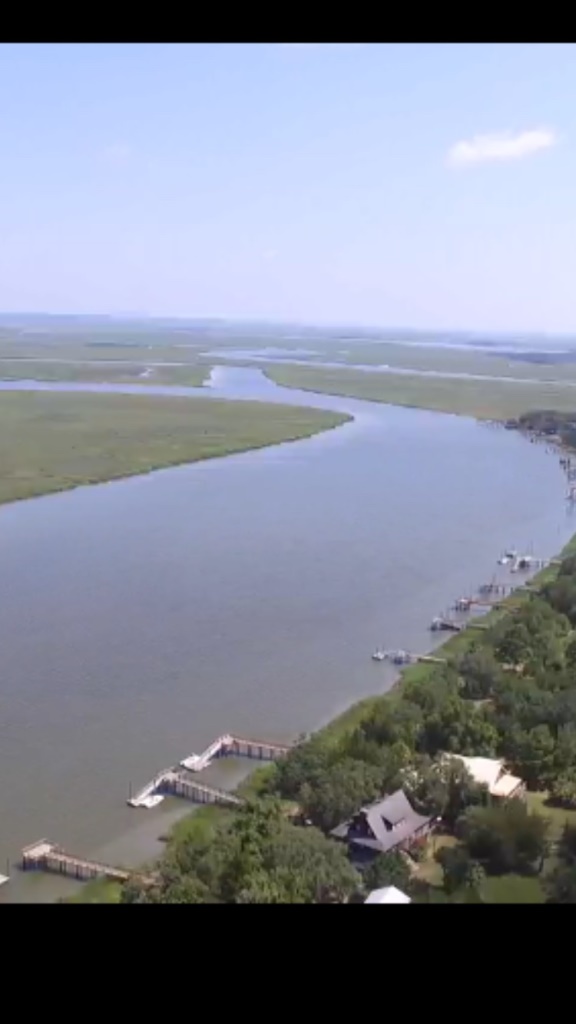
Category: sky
[418,185]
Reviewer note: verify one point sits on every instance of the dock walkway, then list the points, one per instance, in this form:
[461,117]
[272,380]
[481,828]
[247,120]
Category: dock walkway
[44,855]
[174,782]
[234,746]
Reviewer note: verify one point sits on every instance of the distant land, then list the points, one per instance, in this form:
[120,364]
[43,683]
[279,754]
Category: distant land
[287,330]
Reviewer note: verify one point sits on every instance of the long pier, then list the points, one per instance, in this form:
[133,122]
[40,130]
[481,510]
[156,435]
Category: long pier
[174,782]
[44,855]
[235,746]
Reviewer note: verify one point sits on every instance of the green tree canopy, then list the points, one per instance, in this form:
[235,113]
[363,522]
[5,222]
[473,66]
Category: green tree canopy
[504,837]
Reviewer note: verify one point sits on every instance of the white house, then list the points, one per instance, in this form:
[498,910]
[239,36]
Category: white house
[489,772]
[389,894]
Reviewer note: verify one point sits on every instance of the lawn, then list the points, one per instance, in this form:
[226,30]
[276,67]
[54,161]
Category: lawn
[52,442]
[557,816]
[490,400]
[512,889]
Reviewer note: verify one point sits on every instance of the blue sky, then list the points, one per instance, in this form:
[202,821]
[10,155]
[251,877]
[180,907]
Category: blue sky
[418,185]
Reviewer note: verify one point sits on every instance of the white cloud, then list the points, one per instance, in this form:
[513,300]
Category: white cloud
[117,154]
[500,147]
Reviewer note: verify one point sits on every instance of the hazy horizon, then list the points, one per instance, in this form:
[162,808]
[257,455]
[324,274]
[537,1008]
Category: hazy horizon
[353,184]
[385,331]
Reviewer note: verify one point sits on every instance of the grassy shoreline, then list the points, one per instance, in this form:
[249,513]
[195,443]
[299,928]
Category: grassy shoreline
[68,440]
[480,399]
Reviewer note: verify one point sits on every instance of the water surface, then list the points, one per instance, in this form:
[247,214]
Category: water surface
[141,618]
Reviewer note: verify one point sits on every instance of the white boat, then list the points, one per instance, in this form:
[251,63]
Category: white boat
[379,655]
[148,802]
[152,801]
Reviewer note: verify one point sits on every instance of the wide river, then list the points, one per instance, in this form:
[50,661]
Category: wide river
[140,619]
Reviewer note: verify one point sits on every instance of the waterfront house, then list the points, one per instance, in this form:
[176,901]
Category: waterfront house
[491,773]
[383,826]
[389,894]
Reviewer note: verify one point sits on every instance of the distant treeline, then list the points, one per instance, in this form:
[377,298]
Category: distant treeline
[548,423]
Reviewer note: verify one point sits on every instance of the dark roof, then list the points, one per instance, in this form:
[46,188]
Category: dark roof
[390,822]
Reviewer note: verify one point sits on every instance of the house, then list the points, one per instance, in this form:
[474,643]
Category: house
[389,894]
[489,772]
[386,825]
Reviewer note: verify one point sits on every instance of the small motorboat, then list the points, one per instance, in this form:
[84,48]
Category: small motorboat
[379,655]
[440,623]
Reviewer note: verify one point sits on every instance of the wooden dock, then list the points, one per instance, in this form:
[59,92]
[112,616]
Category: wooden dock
[235,746]
[46,856]
[174,782]
[178,784]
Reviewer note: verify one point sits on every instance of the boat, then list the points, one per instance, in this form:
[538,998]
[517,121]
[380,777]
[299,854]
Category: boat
[401,658]
[440,623]
[379,655]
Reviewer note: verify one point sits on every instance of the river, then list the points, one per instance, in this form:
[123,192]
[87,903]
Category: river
[140,619]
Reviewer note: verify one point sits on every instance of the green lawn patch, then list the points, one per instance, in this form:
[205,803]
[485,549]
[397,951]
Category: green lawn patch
[512,889]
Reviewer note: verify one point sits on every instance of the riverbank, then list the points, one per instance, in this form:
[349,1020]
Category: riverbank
[202,825]
[53,442]
[482,399]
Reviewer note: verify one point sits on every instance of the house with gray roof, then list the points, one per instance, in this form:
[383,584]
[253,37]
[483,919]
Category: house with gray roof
[386,825]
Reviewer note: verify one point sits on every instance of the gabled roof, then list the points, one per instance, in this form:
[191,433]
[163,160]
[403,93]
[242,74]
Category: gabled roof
[389,894]
[490,772]
[390,820]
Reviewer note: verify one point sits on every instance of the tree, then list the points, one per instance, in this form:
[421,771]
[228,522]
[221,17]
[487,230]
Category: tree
[255,857]
[561,595]
[533,755]
[514,646]
[395,720]
[480,673]
[570,655]
[459,727]
[389,758]
[253,828]
[567,845]
[561,885]
[459,870]
[562,791]
[304,763]
[308,867]
[568,566]
[387,869]
[505,837]
[339,791]
[443,788]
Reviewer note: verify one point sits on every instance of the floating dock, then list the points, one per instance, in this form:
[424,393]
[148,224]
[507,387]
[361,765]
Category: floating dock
[407,658]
